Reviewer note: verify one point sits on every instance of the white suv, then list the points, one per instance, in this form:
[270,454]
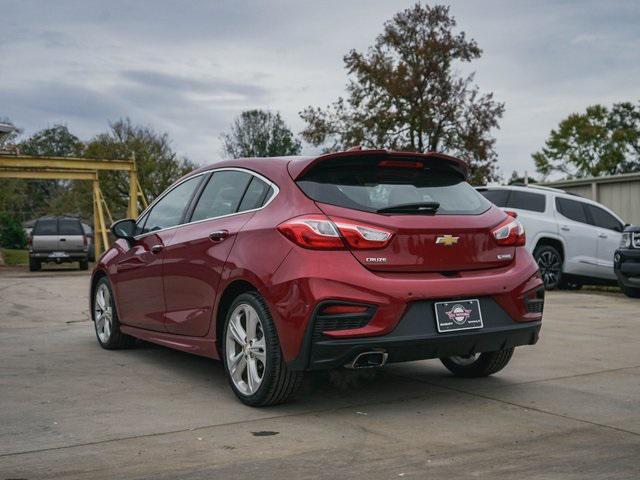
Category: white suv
[572,239]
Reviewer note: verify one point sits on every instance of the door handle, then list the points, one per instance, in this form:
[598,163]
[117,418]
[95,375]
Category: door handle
[602,235]
[565,228]
[63,239]
[156,248]
[219,235]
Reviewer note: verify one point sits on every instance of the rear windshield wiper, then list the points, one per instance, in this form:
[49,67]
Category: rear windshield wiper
[412,208]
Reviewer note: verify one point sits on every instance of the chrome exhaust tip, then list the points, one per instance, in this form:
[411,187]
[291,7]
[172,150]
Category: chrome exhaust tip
[373,359]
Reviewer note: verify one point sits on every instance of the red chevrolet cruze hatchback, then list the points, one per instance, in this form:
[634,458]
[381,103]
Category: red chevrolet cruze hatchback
[277,266]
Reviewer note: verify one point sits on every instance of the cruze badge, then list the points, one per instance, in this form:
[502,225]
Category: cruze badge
[447,240]
[376,259]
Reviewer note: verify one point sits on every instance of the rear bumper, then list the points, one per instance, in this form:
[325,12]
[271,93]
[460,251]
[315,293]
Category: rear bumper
[306,280]
[626,265]
[416,338]
[71,256]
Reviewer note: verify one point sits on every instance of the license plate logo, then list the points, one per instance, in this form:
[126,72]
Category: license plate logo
[458,315]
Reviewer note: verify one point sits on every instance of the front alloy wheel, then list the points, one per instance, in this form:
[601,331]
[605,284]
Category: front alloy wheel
[252,357]
[105,318]
[103,313]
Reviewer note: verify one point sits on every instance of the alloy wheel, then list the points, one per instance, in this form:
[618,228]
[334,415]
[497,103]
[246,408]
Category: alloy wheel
[103,313]
[245,349]
[549,265]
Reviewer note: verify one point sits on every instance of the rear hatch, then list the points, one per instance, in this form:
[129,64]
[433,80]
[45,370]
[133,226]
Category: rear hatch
[45,235]
[438,221]
[71,235]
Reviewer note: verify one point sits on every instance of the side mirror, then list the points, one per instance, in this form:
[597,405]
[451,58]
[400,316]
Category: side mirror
[125,229]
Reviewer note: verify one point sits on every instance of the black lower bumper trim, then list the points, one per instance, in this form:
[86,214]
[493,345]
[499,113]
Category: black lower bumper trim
[627,267]
[331,354]
[416,338]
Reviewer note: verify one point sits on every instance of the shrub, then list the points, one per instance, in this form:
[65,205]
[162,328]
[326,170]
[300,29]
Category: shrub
[12,235]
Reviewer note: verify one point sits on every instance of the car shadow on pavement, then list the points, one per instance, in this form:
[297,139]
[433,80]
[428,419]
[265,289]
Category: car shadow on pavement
[323,388]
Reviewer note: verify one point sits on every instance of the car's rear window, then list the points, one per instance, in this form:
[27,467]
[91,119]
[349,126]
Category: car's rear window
[370,187]
[47,226]
[69,227]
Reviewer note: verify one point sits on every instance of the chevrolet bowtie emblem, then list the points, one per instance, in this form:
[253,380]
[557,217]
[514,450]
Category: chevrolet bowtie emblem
[447,240]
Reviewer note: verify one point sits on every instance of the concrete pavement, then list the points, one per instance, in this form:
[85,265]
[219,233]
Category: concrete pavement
[568,407]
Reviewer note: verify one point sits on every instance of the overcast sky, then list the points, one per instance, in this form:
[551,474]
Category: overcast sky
[188,68]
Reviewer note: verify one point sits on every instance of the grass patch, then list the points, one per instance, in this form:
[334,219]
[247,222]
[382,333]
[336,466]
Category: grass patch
[15,257]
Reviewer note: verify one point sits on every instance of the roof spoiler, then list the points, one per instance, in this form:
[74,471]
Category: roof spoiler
[298,169]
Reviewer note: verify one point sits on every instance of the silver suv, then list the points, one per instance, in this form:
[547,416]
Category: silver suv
[58,239]
[572,239]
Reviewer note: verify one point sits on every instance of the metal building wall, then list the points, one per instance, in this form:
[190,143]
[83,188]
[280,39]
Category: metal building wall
[621,193]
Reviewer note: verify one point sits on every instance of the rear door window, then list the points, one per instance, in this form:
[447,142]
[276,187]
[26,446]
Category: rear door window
[222,194]
[70,227]
[496,196]
[571,209]
[370,187]
[603,219]
[256,195]
[534,202]
[47,226]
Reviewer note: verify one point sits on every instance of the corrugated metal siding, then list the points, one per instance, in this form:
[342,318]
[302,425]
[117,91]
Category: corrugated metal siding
[621,193]
[582,190]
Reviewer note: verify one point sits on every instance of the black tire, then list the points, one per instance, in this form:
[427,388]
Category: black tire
[486,364]
[84,264]
[34,265]
[630,292]
[569,285]
[279,384]
[549,263]
[116,340]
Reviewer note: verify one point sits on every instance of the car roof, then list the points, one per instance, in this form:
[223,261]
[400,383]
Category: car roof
[273,167]
[551,191]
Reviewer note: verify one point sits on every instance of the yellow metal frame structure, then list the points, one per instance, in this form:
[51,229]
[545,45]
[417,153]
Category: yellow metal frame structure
[70,168]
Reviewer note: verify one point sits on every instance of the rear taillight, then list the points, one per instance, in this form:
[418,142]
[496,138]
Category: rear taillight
[30,241]
[319,232]
[510,233]
[84,241]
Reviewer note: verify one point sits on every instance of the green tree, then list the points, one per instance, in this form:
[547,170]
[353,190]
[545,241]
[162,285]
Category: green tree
[12,235]
[256,133]
[600,141]
[158,165]
[404,93]
[56,141]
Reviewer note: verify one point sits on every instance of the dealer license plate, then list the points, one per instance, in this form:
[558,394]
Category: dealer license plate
[458,315]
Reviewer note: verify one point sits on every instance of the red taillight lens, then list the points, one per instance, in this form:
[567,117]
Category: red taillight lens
[85,242]
[510,233]
[312,231]
[362,237]
[321,233]
[511,213]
